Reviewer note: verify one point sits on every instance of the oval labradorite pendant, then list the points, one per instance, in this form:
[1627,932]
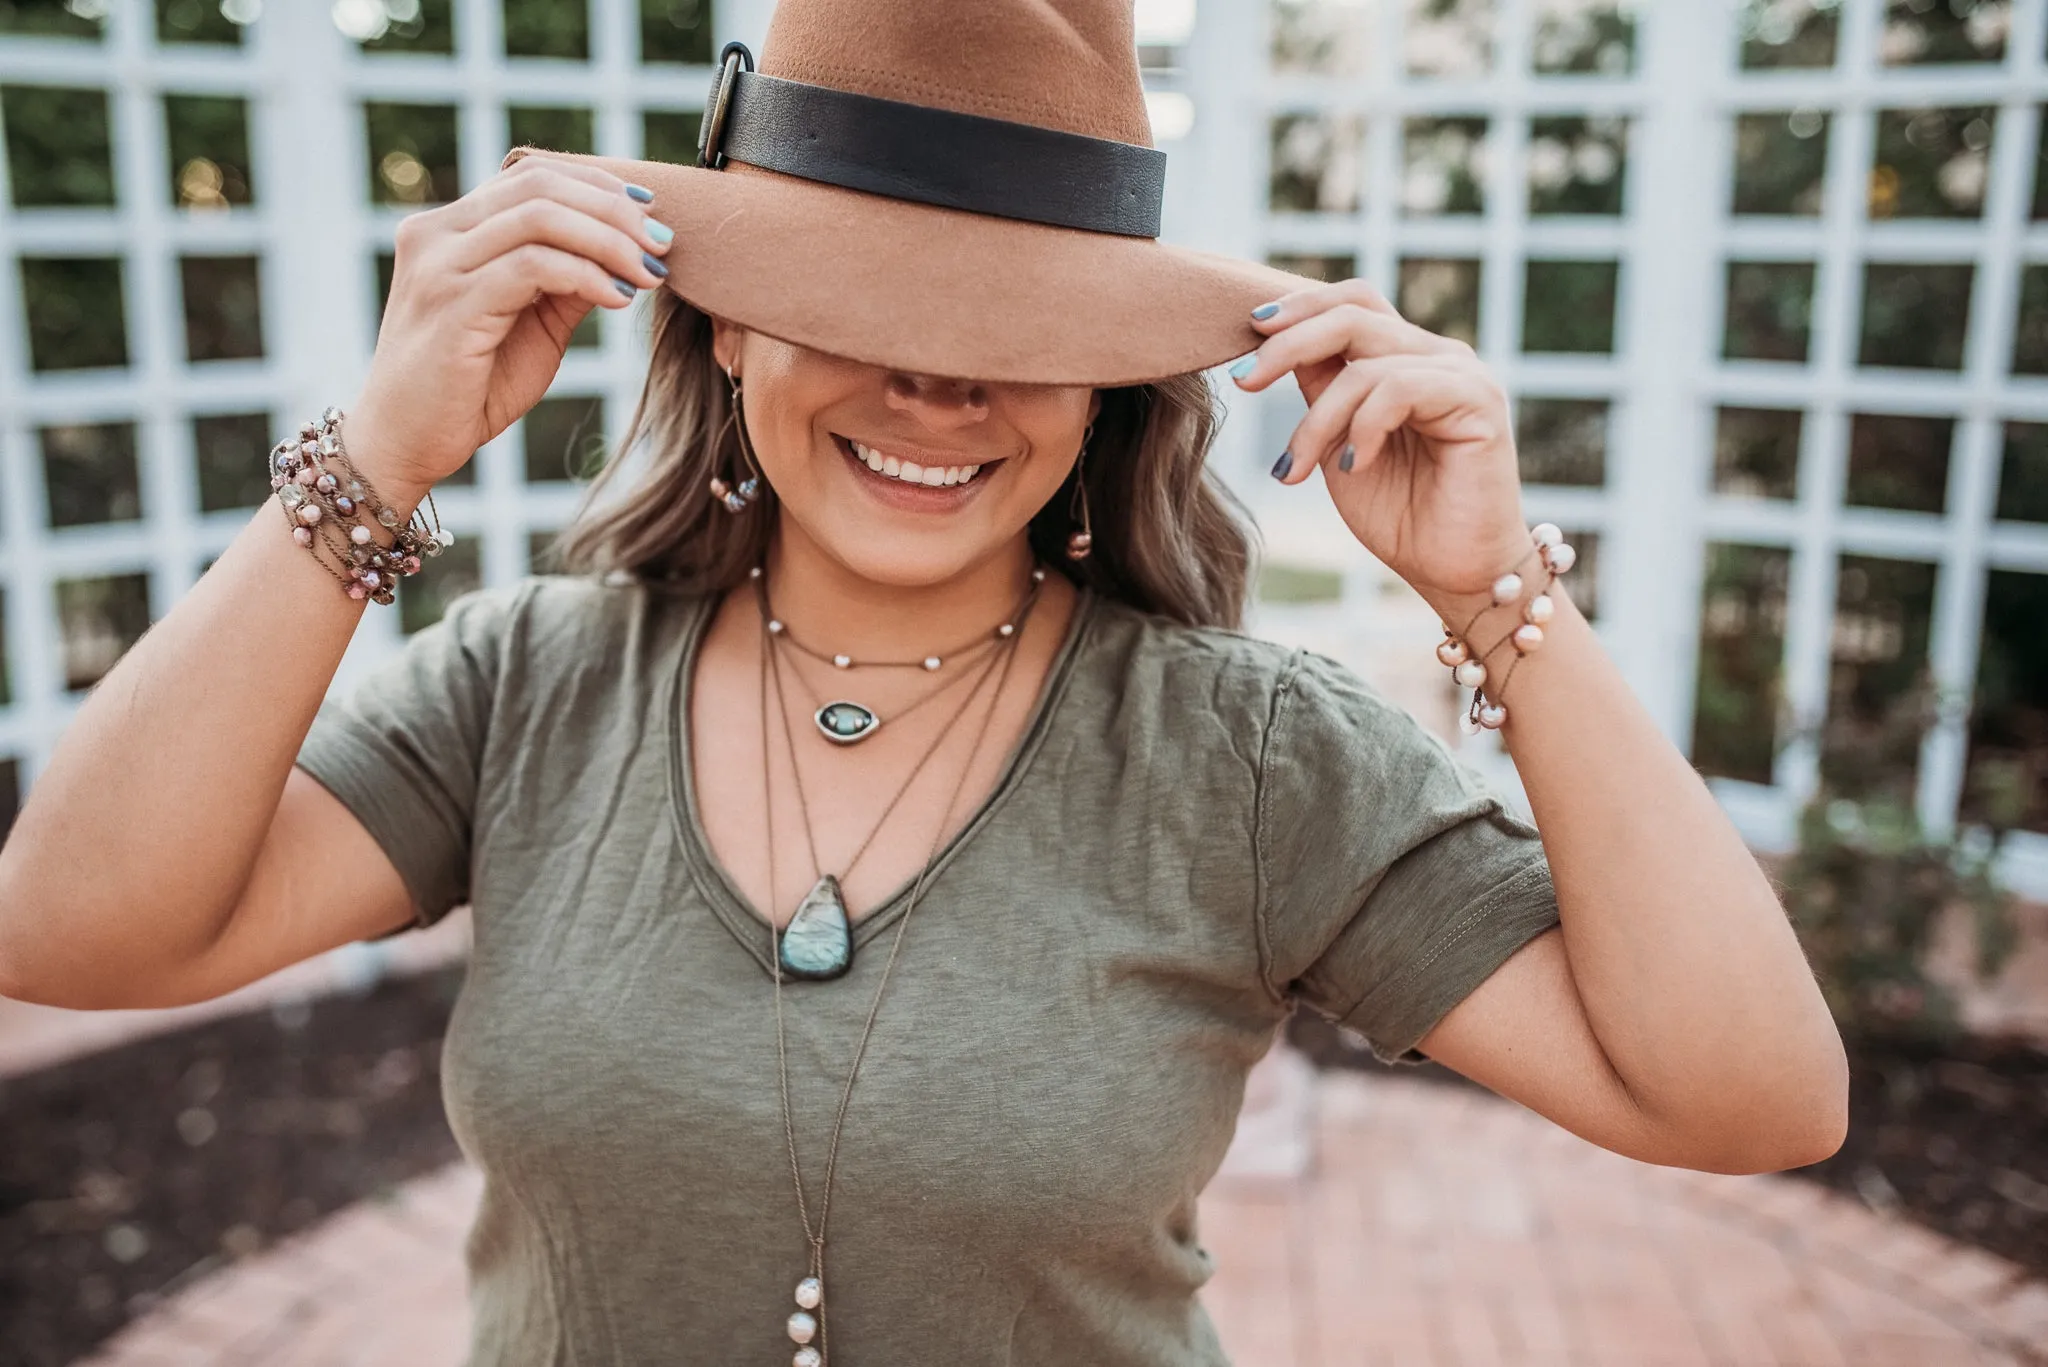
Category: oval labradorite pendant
[818,941]
[846,722]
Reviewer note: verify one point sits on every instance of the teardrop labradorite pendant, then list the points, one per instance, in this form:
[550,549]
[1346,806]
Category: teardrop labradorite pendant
[818,941]
[846,722]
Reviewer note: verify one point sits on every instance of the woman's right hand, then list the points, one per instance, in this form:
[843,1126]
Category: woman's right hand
[484,294]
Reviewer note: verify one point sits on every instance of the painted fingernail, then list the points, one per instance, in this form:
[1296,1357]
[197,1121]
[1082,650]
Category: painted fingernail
[1244,366]
[1283,466]
[623,288]
[660,232]
[1264,311]
[641,193]
[654,266]
[1348,459]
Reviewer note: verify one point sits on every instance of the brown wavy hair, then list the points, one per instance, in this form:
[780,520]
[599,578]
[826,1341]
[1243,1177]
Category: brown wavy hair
[1169,538]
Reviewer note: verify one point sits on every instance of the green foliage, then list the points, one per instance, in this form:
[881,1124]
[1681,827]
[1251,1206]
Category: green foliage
[676,31]
[413,153]
[195,21]
[49,18]
[59,151]
[559,129]
[1769,310]
[1915,315]
[547,28]
[209,150]
[416,26]
[1568,306]
[76,319]
[670,135]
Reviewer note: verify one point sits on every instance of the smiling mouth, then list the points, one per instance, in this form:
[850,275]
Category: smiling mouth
[910,472]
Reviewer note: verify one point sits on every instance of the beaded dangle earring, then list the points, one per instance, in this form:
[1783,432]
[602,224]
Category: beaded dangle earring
[749,489]
[1082,539]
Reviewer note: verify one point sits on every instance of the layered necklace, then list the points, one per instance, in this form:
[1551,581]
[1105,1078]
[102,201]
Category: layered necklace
[824,947]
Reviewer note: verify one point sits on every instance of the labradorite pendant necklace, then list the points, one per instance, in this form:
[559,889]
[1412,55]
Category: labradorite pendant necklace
[831,940]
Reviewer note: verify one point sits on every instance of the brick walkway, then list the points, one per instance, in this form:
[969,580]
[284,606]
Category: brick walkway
[1439,1228]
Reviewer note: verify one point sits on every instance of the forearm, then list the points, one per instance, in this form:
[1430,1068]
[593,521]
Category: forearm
[1689,973]
[139,836]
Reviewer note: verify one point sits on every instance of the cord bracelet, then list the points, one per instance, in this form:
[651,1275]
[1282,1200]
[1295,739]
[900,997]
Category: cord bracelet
[1468,669]
[322,493]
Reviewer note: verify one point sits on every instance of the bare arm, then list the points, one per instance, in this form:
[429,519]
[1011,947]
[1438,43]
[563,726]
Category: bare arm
[1672,1015]
[170,851]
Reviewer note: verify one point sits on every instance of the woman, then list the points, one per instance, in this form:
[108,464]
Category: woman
[886,873]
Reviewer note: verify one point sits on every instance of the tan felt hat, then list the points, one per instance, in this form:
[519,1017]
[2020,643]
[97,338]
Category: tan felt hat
[964,188]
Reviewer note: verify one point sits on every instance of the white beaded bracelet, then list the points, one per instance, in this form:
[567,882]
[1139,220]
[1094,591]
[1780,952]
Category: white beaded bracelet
[1468,670]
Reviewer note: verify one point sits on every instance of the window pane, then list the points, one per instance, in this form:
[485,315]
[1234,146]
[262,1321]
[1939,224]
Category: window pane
[2041,171]
[99,619]
[53,18]
[1756,452]
[2023,475]
[414,26]
[1569,306]
[1318,163]
[412,153]
[1577,165]
[223,308]
[557,129]
[1449,38]
[676,31]
[58,148]
[1899,461]
[1917,31]
[1789,33]
[424,597]
[10,795]
[1585,36]
[209,138]
[1915,316]
[1770,311]
[1562,441]
[1334,266]
[1443,166]
[670,135]
[1780,162]
[564,438]
[540,552]
[76,317]
[2030,330]
[229,450]
[2006,782]
[1442,295]
[90,474]
[1877,683]
[1931,163]
[197,21]
[547,28]
[6,674]
[1322,37]
[1584,580]
[1742,650]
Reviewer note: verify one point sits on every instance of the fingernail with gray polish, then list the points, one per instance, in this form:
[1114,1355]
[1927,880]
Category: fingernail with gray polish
[654,266]
[623,288]
[1245,366]
[1283,466]
[1265,311]
[1348,459]
[641,193]
[660,232]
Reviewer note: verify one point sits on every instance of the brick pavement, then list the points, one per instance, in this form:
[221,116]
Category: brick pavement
[1437,1228]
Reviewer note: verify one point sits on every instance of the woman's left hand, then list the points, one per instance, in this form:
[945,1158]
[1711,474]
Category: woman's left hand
[1432,490]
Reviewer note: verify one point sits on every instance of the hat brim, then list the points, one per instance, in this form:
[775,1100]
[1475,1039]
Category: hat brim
[941,291]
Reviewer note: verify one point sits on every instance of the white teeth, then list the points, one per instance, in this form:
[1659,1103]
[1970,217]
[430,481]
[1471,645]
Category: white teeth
[891,466]
[934,476]
[910,471]
[874,459]
[952,474]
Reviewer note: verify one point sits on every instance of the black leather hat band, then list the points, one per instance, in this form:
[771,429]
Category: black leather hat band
[932,156]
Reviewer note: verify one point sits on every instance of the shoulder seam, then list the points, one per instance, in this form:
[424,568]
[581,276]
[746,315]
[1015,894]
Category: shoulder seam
[1283,692]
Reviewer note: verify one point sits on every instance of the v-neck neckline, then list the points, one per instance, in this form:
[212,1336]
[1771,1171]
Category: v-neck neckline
[738,915]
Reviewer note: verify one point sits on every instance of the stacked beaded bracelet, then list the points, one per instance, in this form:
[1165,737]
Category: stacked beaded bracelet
[322,492]
[1469,669]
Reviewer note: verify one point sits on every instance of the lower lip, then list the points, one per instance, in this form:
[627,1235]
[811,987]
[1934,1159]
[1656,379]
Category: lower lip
[915,498]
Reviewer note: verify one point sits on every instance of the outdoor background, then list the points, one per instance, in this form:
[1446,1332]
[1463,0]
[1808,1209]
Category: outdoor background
[1767,280]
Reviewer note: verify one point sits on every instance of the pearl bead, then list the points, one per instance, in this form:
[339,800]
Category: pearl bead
[359,534]
[809,1292]
[309,513]
[358,592]
[1507,588]
[1493,716]
[1545,535]
[354,489]
[305,476]
[1471,674]
[277,481]
[344,505]
[932,662]
[1540,609]
[411,564]
[803,1327]
[1527,637]
[303,535]
[843,661]
[371,579]
[1453,653]
[1560,558]
[327,484]
[1466,725]
[807,1357]
[388,516]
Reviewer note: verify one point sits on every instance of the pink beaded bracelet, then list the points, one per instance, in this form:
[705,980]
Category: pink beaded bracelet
[1468,670]
[322,492]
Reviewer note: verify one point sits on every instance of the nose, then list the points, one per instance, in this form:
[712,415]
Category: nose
[939,402]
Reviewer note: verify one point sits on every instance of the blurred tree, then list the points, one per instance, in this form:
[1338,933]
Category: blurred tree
[1931,163]
[564,437]
[676,31]
[1899,460]
[2030,332]
[2023,473]
[6,698]
[209,149]
[202,21]
[1780,162]
[1568,306]
[1769,311]
[1789,33]
[547,28]
[1443,166]
[228,451]
[90,473]
[1884,610]
[1919,32]
[54,18]
[424,597]
[1562,441]
[1578,164]
[1756,452]
[413,26]
[99,619]
[223,298]
[670,135]
[2006,782]
[413,153]
[1441,294]
[1585,36]
[1317,163]
[1738,697]
[76,315]
[59,151]
[1449,39]
[559,129]
[1915,316]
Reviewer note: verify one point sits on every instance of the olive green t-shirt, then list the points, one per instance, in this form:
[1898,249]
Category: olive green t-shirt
[1196,831]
